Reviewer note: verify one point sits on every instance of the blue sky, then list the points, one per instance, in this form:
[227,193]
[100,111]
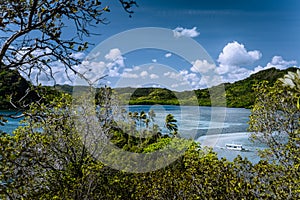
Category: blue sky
[242,37]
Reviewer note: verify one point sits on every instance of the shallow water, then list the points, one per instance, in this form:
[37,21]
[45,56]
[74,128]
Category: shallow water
[212,127]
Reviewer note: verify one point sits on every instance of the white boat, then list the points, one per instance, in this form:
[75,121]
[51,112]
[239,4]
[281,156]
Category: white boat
[236,147]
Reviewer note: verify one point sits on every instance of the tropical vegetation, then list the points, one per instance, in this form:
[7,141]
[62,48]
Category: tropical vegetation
[86,146]
[51,157]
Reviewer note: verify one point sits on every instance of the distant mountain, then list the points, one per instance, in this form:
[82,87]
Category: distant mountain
[238,94]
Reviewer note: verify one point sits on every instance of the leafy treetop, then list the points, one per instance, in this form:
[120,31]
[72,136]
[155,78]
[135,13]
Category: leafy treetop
[31,32]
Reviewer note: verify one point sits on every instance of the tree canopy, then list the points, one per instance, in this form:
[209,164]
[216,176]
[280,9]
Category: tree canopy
[49,157]
[32,32]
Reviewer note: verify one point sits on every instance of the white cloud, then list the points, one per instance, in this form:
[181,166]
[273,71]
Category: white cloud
[156,86]
[94,70]
[129,75]
[235,73]
[179,32]
[209,81]
[113,54]
[202,66]
[223,69]
[151,67]
[127,70]
[277,62]
[136,68]
[78,55]
[115,57]
[154,60]
[114,72]
[154,76]
[60,74]
[167,55]
[235,54]
[184,78]
[144,74]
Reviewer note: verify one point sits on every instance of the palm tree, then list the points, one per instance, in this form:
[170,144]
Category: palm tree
[171,124]
[151,115]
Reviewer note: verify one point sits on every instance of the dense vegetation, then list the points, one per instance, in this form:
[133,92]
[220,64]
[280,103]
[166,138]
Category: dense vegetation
[12,88]
[53,158]
[16,93]
[238,94]
[61,152]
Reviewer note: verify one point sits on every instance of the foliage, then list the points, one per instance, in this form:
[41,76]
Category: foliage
[275,122]
[12,88]
[241,93]
[17,93]
[237,94]
[171,124]
[51,158]
[32,32]
[33,41]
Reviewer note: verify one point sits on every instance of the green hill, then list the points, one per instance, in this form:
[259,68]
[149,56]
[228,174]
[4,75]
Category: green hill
[12,86]
[241,94]
[238,94]
[14,89]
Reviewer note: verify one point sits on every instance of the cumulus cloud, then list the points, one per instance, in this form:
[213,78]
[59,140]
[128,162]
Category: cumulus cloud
[235,73]
[154,76]
[209,81]
[129,75]
[144,74]
[78,55]
[180,31]
[154,60]
[277,62]
[202,66]
[184,78]
[115,57]
[57,75]
[234,56]
[168,55]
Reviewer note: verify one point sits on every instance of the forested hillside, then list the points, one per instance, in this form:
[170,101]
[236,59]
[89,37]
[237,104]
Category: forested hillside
[17,93]
[238,94]
[12,86]
[241,93]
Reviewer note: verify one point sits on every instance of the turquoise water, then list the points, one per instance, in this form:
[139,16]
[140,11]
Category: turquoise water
[12,124]
[212,127]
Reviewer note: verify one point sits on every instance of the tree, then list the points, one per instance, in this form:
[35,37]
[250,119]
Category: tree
[49,158]
[275,122]
[170,123]
[52,156]
[12,88]
[32,32]
[275,119]
[32,36]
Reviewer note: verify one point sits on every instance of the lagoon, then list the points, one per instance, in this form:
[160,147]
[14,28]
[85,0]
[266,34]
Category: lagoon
[213,127]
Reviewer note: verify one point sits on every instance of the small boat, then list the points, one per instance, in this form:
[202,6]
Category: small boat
[236,147]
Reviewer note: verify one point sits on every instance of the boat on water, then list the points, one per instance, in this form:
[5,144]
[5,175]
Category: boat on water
[236,147]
